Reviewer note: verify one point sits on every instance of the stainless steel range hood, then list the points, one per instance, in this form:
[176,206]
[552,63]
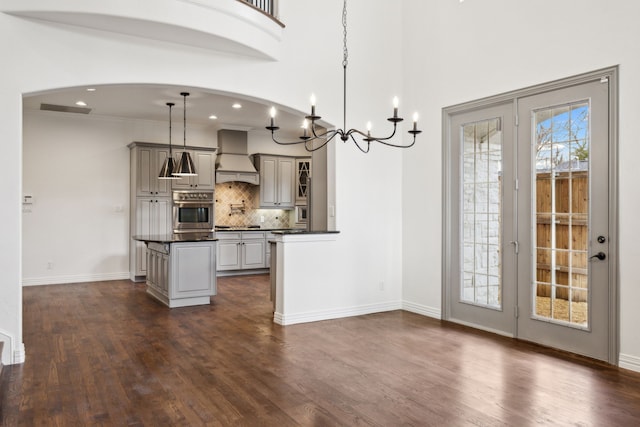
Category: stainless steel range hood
[232,161]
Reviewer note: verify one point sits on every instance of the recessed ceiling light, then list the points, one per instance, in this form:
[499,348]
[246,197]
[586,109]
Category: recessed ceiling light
[81,103]
[213,117]
[237,106]
[91,89]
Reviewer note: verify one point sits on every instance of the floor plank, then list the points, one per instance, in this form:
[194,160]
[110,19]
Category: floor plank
[107,354]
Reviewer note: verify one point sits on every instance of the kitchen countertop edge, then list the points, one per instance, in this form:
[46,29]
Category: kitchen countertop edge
[175,238]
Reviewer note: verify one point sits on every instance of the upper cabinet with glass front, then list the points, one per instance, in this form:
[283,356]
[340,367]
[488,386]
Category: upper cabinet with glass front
[303,173]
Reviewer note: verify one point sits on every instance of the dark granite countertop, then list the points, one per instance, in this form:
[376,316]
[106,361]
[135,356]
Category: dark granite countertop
[276,230]
[303,231]
[177,237]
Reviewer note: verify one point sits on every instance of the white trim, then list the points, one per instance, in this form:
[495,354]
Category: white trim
[319,315]
[12,353]
[630,362]
[239,29]
[424,310]
[19,354]
[74,278]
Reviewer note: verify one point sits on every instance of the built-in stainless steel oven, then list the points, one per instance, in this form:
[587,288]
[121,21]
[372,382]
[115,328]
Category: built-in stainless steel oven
[193,211]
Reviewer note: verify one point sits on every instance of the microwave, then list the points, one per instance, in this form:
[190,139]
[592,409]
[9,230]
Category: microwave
[302,214]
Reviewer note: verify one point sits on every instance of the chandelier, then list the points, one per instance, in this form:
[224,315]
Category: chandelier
[315,134]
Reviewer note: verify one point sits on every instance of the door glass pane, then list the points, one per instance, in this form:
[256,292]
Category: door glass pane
[561,194]
[481,214]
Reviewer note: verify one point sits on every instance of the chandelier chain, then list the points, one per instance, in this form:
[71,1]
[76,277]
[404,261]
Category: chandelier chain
[345,51]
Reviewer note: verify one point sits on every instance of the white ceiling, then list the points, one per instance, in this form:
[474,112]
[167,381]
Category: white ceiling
[148,102]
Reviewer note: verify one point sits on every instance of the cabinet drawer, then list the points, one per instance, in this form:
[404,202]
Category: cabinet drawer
[252,235]
[232,235]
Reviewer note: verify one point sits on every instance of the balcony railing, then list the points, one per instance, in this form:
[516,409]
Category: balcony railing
[268,7]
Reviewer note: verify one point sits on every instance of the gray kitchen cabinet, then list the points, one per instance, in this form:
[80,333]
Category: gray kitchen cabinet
[277,181]
[146,162]
[228,252]
[153,217]
[158,269]
[181,274]
[241,250]
[253,250]
[204,162]
[150,197]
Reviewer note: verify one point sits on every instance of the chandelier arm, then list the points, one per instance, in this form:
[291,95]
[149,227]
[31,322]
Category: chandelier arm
[300,141]
[358,145]
[306,146]
[313,130]
[374,138]
[398,146]
[368,138]
[332,134]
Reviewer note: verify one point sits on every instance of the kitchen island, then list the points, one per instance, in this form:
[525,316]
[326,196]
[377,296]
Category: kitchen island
[181,268]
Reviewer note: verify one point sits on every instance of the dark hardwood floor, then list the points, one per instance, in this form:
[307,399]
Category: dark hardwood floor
[107,354]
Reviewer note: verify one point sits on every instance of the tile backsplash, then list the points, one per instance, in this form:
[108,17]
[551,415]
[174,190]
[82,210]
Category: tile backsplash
[236,206]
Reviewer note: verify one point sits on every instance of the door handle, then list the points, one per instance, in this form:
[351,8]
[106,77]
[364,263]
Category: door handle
[600,255]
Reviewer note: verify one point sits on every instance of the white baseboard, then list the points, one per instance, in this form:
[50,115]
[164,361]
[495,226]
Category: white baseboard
[424,310]
[19,354]
[76,278]
[630,362]
[13,352]
[316,316]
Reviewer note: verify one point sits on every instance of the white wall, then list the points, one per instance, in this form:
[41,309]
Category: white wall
[45,56]
[457,52]
[78,174]
[76,167]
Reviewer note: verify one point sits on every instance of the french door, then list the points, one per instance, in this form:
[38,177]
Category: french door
[528,222]
[484,273]
[564,273]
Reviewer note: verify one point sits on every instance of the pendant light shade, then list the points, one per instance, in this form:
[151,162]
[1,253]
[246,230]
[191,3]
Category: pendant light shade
[185,164]
[168,169]
[169,166]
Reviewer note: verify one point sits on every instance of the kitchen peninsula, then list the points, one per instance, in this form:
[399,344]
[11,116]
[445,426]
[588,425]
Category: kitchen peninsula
[181,268]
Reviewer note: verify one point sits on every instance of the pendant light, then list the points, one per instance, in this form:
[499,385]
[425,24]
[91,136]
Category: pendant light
[169,165]
[185,165]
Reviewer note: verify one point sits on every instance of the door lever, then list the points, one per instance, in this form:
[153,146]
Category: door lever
[600,255]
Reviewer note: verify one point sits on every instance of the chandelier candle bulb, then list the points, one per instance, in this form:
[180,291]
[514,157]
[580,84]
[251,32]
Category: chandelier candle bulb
[273,115]
[395,107]
[313,104]
[415,121]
